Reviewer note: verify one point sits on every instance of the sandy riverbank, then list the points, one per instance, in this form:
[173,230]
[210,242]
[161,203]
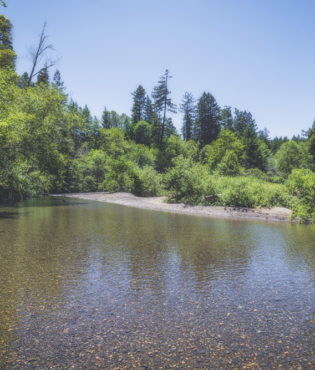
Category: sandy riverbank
[158,204]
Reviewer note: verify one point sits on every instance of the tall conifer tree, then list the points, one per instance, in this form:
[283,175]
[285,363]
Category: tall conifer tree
[106,120]
[149,115]
[139,101]
[188,108]
[207,126]
[162,104]
[227,120]
[57,80]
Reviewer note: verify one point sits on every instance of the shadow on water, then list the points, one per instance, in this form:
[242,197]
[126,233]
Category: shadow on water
[4,215]
[50,202]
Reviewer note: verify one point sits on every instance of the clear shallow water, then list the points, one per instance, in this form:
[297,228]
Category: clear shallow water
[92,285]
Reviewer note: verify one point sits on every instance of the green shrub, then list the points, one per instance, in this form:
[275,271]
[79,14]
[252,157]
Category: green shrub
[229,164]
[120,176]
[147,182]
[301,184]
[291,155]
[251,192]
[237,195]
[188,182]
[142,133]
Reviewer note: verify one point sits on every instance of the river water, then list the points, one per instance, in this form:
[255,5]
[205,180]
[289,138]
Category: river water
[87,285]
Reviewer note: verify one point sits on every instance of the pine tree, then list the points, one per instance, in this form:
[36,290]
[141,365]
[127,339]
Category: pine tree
[226,119]
[112,119]
[87,114]
[23,80]
[188,108]
[255,148]
[162,104]
[105,121]
[138,108]
[57,80]
[149,114]
[7,54]
[207,126]
[43,76]
[244,120]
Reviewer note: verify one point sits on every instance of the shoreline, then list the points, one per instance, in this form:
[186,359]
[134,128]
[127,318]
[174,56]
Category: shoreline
[278,214]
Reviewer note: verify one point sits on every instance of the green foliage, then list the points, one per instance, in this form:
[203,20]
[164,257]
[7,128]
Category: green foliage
[301,183]
[7,58]
[214,153]
[90,171]
[113,142]
[121,176]
[237,195]
[229,165]
[207,124]
[189,110]
[173,148]
[149,115]
[161,106]
[50,144]
[291,155]
[18,181]
[244,123]
[256,151]
[226,119]
[251,192]
[43,76]
[147,182]
[188,182]
[139,103]
[191,183]
[111,119]
[142,133]
[142,156]
[7,54]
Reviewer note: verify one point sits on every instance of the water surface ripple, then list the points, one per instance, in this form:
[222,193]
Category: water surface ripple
[91,285]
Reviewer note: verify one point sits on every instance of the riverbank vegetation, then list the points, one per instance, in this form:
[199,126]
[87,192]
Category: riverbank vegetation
[49,144]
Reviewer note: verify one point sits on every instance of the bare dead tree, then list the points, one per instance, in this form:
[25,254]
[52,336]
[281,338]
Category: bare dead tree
[38,53]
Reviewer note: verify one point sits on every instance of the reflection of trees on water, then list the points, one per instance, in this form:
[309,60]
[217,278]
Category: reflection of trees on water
[60,264]
[40,254]
[301,246]
[164,243]
[159,244]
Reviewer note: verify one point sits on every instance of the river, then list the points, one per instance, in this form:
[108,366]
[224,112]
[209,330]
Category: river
[88,285]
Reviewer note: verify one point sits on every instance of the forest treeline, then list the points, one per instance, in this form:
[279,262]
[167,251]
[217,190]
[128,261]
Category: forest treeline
[49,144]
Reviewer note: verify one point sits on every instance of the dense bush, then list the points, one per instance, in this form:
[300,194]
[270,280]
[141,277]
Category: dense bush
[188,182]
[142,133]
[291,155]
[147,182]
[251,192]
[301,184]
[229,164]
[226,144]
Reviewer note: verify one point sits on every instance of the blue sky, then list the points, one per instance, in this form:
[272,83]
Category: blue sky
[257,55]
